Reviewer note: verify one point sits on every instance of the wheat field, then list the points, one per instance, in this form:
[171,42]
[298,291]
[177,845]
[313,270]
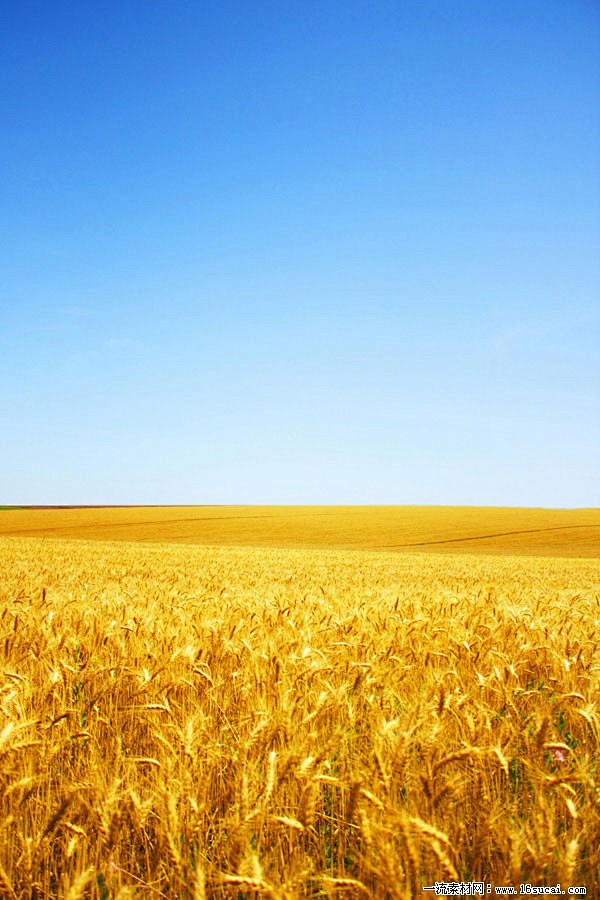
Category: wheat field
[234,722]
[495,530]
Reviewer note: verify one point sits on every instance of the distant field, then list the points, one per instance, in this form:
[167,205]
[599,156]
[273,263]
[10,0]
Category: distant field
[496,530]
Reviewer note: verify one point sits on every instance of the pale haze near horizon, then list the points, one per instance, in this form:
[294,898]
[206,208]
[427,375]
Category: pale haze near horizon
[279,253]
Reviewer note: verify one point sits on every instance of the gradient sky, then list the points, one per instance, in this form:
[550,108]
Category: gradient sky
[300,252]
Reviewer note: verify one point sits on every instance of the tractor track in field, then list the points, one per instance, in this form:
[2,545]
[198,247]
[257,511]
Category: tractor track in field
[142,523]
[483,537]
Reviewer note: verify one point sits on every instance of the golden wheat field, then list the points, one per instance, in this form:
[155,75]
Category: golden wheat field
[497,530]
[194,721]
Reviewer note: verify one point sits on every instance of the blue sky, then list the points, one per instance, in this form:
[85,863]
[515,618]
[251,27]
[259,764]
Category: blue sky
[300,252]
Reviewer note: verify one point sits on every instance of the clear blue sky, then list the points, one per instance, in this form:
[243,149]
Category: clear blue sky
[297,252]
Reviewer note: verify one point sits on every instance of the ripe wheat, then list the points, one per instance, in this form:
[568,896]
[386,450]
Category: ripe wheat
[181,721]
